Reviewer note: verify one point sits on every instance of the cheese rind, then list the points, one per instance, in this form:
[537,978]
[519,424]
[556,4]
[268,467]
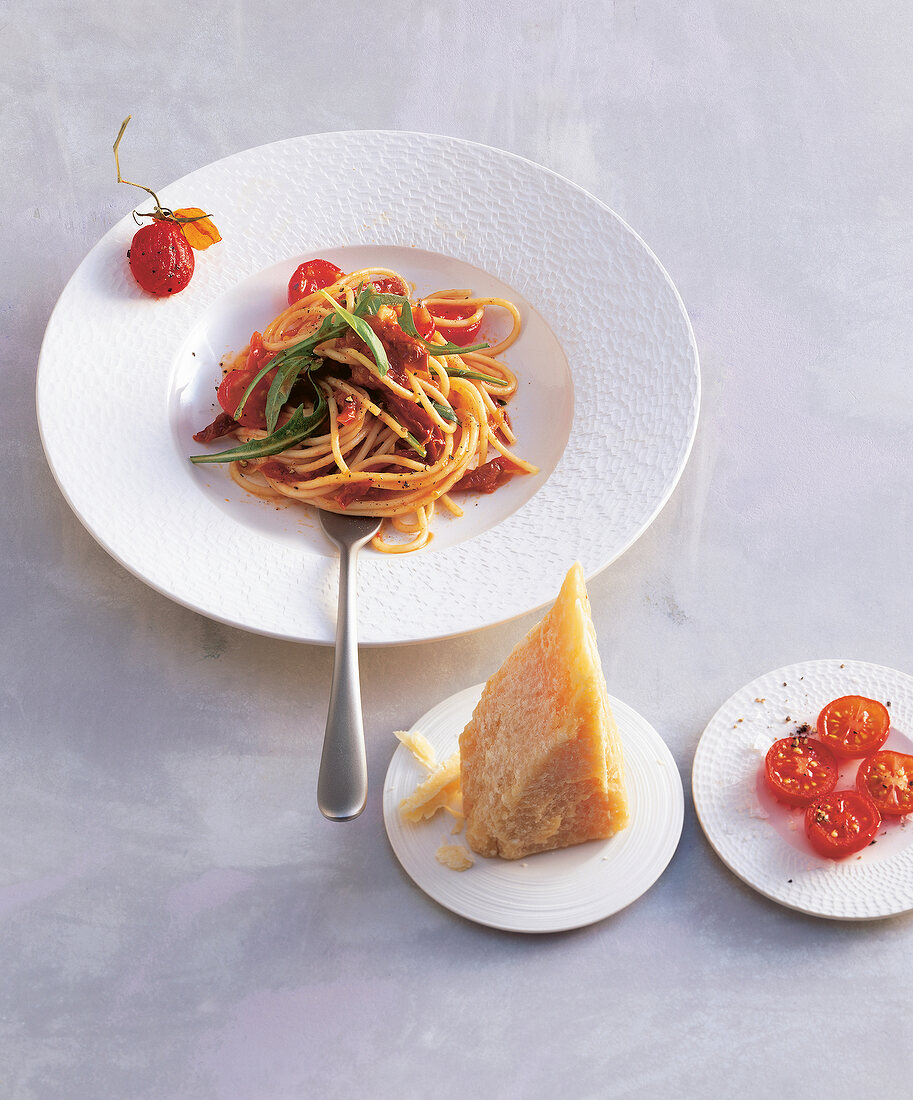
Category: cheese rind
[541,758]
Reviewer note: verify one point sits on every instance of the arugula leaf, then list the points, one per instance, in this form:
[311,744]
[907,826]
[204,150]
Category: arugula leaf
[289,364]
[452,349]
[444,411]
[415,445]
[295,430]
[460,372]
[407,321]
[407,324]
[370,300]
[364,330]
[250,389]
[286,376]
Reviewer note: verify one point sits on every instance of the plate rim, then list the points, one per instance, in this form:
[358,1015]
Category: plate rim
[310,633]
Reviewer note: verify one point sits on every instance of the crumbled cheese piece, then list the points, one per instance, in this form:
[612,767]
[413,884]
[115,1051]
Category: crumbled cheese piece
[439,790]
[419,746]
[454,856]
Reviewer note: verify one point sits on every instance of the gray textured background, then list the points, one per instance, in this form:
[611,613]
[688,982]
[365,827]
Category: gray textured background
[176,920]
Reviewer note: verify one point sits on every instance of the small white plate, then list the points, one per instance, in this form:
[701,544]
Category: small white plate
[551,891]
[761,840]
[609,385]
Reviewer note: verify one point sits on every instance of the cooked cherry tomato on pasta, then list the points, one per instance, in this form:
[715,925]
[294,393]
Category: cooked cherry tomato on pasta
[311,276]
[383,284]
[161,260]
[258,356]
[456,334]
[800,770]
[841,823]
[886,778]
[424,322]
[853,725]
[234,386]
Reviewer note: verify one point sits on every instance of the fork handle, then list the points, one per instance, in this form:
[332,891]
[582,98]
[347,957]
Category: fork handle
[342,783]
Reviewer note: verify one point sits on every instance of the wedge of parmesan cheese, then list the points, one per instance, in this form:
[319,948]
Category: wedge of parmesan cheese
[541,758]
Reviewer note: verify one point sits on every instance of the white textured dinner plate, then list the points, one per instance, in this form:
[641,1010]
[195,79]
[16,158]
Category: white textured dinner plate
[549,891]
[761,840]
[607,405]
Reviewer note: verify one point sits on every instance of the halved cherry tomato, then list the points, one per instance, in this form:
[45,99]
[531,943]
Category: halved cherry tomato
[456,334]
[310,276]
[161,260]
[800,770]
[853,725]
[841,823]
[886,778]
[234,385]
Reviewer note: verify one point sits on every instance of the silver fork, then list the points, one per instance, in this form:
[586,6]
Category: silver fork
[342,783]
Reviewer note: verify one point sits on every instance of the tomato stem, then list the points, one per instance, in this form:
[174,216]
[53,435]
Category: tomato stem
[159,212]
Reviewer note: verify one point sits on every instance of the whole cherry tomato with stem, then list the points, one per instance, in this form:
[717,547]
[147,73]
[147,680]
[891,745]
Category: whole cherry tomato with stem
[161,260]
[161,257]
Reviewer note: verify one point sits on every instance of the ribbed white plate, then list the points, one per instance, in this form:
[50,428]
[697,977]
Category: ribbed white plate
[763,841]
[551,891]
[607,366]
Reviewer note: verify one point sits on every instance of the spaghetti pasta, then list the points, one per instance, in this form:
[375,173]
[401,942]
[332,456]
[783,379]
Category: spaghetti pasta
[359,398]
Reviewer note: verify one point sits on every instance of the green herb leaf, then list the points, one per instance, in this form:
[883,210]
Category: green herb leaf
[407,321]
[444,411]
[364,330]
[286,376]
[407,324]
[291,361]
[295,430]
[250,389]
[460,372]
[452,349]
[370,300]
[415,445]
